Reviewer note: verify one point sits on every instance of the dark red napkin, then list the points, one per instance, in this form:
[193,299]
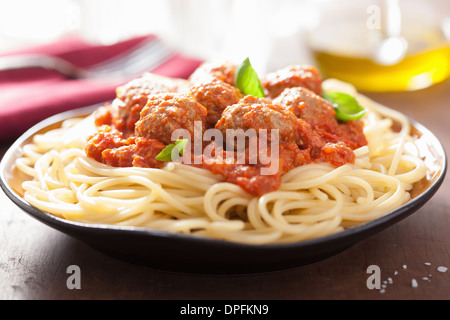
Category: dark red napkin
[30,95]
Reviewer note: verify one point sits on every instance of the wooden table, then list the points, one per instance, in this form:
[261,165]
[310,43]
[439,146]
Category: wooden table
[34,258]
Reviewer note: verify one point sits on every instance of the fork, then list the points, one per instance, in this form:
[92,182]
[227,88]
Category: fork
[145,56]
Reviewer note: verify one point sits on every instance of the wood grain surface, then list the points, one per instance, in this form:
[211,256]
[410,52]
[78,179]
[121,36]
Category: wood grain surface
[34,258]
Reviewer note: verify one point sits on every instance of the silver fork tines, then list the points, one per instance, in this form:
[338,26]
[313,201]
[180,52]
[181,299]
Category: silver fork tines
[147,55]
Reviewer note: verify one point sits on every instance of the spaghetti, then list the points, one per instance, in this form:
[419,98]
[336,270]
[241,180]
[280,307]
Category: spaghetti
[312,200]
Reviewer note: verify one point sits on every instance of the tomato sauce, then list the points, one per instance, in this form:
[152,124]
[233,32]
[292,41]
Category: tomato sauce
[309,131]
[109,147]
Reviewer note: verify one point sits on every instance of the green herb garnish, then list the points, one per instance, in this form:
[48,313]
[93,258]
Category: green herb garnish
[247,81]
[169,154]
[346,106]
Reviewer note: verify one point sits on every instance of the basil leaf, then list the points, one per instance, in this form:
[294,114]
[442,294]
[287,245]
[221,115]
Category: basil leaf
[247,81]
[181,144]
[166,153]
[346,106]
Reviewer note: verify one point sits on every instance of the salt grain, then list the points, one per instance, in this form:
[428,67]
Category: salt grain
[405,266]
[442,269]
[414,283]
[427,263]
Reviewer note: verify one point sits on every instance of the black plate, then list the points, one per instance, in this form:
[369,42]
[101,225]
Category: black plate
[192,254]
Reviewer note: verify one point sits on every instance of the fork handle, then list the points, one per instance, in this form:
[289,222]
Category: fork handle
[41,61]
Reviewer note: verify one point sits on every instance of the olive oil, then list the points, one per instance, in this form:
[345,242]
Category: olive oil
[416,71]
[385,45]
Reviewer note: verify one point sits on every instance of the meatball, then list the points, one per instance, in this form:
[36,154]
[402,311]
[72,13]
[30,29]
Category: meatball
[305,104]
[215,96]
[320,115]
[132,97]
[256,113]
[223,71]
[290,77]
[165,113]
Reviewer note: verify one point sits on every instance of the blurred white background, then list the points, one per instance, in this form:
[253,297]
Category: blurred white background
[206,29]
[271,32]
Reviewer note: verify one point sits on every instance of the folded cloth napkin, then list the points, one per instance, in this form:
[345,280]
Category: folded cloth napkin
[30,95]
